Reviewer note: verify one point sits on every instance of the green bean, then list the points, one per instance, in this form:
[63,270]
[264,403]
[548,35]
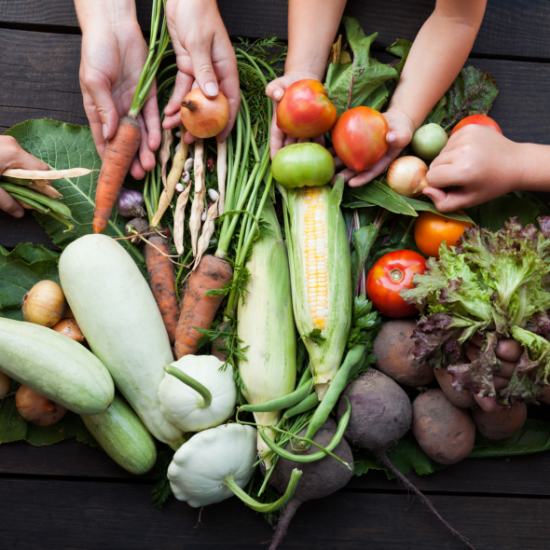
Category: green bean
[53,204]
[339,382]
[310,402]
[302,459]
[70,227]
[31,202]
[284,402]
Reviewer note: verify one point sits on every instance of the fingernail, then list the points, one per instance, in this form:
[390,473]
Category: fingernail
[18,214]
[390,138]
[211,88]
[277,94]
[105,131]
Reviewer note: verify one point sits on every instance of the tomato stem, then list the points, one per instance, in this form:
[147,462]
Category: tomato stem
[396,275]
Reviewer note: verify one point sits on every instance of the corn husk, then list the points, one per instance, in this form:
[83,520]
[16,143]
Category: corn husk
[266,326]
[326,347]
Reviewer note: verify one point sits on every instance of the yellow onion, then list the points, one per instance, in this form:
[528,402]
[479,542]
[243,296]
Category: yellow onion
[36,408]
[4,385]
[44,304]
[407,176]
[202,116]
[69,328]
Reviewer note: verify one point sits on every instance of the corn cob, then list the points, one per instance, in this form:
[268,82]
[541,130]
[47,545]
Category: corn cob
[320,272]
[266,326]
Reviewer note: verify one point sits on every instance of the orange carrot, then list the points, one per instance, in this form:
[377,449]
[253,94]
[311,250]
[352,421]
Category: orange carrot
[163,283]
[198,309]
[119,154]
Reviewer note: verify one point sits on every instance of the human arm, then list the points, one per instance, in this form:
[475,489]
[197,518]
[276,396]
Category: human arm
[484,164]
[113,56]
[312,27]
[204,55]
[12,155]
[436,57]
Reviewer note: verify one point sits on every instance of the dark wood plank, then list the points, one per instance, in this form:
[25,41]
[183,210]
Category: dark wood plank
[68,515]
[511,27]
[14,231]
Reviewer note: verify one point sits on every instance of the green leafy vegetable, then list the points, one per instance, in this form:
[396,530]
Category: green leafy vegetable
[63,146]
[377,193]
[494,284]
[362,81]
[162,491]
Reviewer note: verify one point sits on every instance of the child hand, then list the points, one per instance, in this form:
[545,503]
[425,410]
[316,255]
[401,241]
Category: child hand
[509,352]
[400,133]
[113,56]
[275,91]
[204,56]
[12,155]
[481,162]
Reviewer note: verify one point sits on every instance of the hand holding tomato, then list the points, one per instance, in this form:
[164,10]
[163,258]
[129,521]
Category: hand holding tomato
[388,277]
[481,162]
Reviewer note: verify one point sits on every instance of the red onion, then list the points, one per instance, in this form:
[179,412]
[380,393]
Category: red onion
[130,203]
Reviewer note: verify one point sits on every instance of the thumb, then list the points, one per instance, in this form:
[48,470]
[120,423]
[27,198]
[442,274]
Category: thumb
[274,90]
[203,69]
[105,107]
[398,138]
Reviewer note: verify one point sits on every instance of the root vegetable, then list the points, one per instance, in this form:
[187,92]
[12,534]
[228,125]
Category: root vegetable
[69,328]
[202,116]
[502,423]
[445,432]
[407,176]
[36,408]
[319,479]
[462,398]
[44,304]
[4,385]
[393,348]
[134,228]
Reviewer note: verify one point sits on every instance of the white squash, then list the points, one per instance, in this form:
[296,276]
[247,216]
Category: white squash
[186,407]
[117,313]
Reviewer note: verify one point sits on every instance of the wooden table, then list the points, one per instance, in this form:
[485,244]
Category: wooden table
[71,496]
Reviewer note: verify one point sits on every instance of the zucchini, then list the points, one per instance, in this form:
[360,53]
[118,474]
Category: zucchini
[55,366]
[117,313]
[123,437]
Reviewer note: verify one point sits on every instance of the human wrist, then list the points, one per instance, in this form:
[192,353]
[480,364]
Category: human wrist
[106,15]
[532,167]
[308,66]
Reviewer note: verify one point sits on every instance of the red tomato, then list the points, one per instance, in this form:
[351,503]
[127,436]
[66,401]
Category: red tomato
[430,230]
[482,120]
[388,277]
[305,110]
[359,138]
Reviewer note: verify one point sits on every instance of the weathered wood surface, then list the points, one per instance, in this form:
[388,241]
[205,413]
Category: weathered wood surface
[510,28]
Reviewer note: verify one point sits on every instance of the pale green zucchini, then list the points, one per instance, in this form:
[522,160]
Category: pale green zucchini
[117,313]
[55,366]
[123,437]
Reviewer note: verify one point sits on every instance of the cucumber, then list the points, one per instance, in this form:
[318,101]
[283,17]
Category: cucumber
[123,437]
[117,313]
[55,366]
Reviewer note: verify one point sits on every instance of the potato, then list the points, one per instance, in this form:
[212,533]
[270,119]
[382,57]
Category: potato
[445,432]
[393,348]
[462,399]
[502,423]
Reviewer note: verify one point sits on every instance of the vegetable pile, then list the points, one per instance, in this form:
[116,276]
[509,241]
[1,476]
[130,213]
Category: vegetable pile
[245,331]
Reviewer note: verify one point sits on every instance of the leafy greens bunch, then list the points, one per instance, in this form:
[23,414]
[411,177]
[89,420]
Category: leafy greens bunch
[495,284]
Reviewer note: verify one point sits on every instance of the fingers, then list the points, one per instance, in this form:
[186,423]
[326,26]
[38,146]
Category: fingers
[230,87]
[200,52]
[377,169]
[398,138]
[449,201]
[10,205]
[274,90]
[182,87]
[347,173]
[146,156]
[277,136]
[151,117]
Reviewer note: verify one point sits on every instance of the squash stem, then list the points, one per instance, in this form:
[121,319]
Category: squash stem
[230,482]
[192,383]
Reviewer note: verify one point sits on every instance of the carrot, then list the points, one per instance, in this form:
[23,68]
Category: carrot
[198,309]
[163,283]
[119,154]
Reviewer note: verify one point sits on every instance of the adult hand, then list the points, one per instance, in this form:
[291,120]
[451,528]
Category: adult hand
[13,156]
[113,57]
[204,55]
[509,353]
[400,133]
[481,162]
[275,91]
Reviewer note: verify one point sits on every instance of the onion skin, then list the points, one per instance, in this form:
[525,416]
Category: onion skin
[407,176]
[36,408]
[44,304]
[69,328]
[130,204]
[204,117]
[4,385]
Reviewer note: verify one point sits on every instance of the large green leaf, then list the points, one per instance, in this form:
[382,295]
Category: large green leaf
[362,81]
[378,193]
[63,146]
[20,270]
[428,206]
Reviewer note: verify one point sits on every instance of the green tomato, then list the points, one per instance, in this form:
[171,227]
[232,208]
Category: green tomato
[428,141]
[303,164]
